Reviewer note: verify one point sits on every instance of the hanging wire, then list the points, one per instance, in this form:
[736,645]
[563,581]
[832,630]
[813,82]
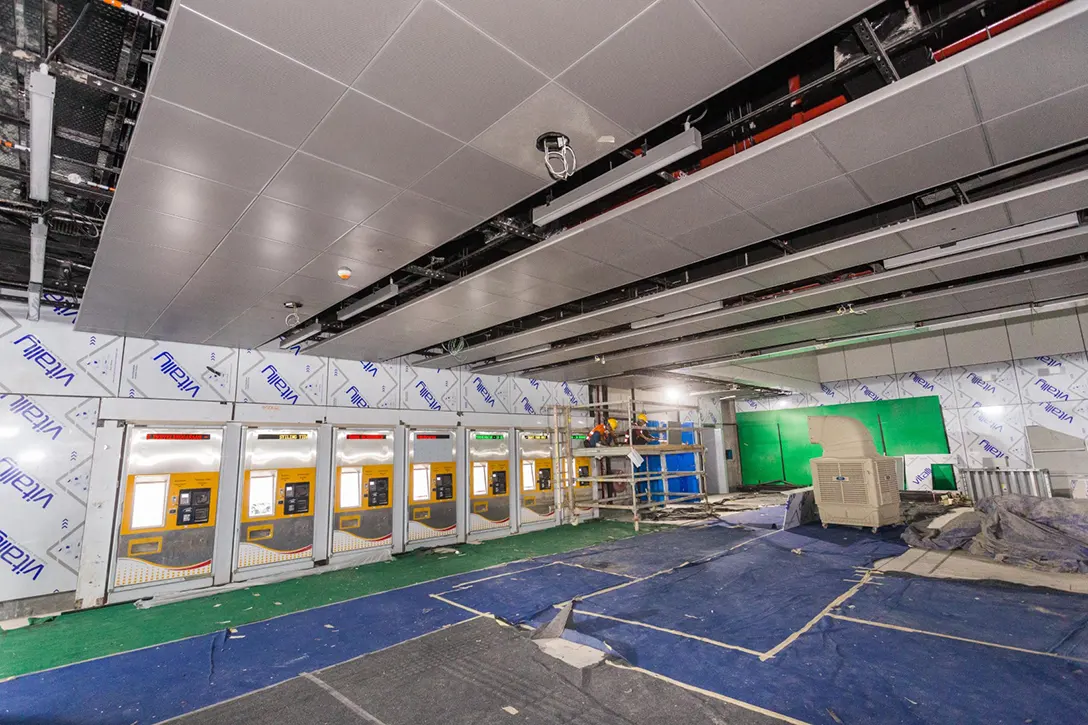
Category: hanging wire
[86,7]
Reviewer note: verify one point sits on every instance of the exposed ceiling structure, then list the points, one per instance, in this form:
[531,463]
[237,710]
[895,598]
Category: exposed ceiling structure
[300,160]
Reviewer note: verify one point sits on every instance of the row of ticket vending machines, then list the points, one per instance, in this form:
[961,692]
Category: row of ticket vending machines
[192,512]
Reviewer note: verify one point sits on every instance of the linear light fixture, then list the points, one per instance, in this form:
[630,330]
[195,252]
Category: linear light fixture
[388,292]
[678,315]
[523,353]
[628,172]
[43,88]
[301,336]
[1013,234]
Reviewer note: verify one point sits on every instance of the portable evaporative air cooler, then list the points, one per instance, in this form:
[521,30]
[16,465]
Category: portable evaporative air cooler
[853,484]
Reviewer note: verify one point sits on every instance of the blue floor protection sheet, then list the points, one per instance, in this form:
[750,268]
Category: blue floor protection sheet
[1043,620]
[748,588]
[526,594]
[649,554]
[844,673]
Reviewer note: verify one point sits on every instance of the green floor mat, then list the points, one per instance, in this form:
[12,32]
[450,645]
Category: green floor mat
[79,636]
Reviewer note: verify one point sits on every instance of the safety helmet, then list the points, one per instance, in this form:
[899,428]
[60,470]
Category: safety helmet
[612,423]
[641,418]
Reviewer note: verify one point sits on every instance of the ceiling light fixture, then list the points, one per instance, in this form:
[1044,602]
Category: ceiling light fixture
[43,88]
[523,353]
[389,291]
[626,173]
[301,336]
[1013,234]
[678,315]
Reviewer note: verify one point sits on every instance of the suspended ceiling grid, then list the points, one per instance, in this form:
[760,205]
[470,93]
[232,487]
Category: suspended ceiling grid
[281,140]
[1046,199]
[948,121]
[1051,284]
[1012,255]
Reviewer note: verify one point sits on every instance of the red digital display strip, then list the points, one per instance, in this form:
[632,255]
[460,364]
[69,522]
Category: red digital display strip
[431,437]
[178,436]
[366,437]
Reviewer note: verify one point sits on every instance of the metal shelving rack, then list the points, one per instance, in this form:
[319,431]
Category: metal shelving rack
[631,498]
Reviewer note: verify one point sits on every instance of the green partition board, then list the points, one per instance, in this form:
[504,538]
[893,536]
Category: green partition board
[774,444]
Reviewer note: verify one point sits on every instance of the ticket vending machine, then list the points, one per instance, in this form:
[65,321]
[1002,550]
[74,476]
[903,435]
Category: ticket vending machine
[276,506]
[166,524]
[489,474]
[432,486]
[536,480]
[363,495]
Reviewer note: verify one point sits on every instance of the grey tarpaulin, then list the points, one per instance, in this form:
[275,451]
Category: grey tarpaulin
[1040,533]
[1050,534]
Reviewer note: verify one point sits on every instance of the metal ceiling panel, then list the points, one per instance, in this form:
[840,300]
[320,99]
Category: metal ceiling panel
[550,294]
[625,246]
[939,162]
[466,298]
[835,294]
[722,290]
[553,108]
[667,59]
[160,288]
[284,222]
[137,224]
[1061,196]
[421,219]
[679,210]
[1053,122]
[373,138]
[532,29]
[1070,245]
[1061,283]
[662,304]
[253,327]
[723,236]
[185,326]
[187,141]
[815,204]
[326,188]
[772,170]
[370,246]
[238,276]
[324,267]
[787,270]
[954,228]
[933,103]
[507,282]
[993,295]
[337,39]
[314,294]
[873,249]
[173,192]
[760,32]
[244,248]
[222,74]
[436,62]
[104,309]
[477,184]
[982,264]
[556,264]
[1031,63]
[891,282]
[145,258]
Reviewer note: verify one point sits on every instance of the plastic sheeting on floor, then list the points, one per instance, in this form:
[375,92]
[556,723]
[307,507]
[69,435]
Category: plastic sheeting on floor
[756,595]
[1015,616]
[521,596]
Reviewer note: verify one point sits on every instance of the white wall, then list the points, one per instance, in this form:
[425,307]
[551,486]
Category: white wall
[993,382]
[53,379]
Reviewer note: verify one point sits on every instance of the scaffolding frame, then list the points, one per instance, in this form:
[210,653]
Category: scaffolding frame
[632,499]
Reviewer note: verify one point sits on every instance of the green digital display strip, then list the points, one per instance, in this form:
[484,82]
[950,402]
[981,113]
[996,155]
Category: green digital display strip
[490,436]
[579,437]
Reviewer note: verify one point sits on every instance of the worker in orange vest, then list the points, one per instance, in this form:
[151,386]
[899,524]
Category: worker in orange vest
[602,434]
